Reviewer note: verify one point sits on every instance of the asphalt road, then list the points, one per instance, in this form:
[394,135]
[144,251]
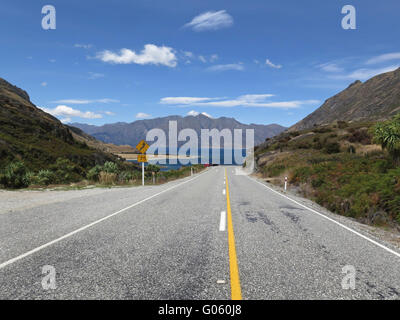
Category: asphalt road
[217,235]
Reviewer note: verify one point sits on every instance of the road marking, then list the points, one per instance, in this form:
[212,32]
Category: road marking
[221,281]
[26,254]
[222,222]
[236,292]
[332,220]
[224,192]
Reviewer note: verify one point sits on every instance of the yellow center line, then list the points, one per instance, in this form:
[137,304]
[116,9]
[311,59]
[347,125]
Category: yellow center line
[236,292]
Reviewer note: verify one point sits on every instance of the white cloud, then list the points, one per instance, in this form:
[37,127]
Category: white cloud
[202,59]
[364,74]
[94,75]
[68,112]
[109,113]
[214,58]
[142,115]
[272,65]
[84,46]
[151,54]
[184,100]
[84,101]
[66,120]
[330,67]
[226,67]
[249,100]
[44,84]
[211,20]
[384,58]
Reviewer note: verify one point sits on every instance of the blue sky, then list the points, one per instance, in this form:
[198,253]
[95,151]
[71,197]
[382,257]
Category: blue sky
[257,61]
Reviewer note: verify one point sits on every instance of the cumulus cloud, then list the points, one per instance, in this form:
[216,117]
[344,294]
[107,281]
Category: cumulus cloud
[85,101]
[226,67]
[142,115]
[67,113]
[272,65]
[384,58]
[151,54]
[211,20]
[249,100]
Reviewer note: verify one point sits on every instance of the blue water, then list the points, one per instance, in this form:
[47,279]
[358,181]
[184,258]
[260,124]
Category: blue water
[221,161]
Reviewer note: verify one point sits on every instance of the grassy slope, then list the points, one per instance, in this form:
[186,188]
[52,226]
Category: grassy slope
[35,137]
[338,167]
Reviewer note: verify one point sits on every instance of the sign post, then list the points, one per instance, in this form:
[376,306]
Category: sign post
[142,147]
[286,183]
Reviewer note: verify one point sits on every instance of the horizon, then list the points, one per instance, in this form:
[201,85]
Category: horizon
[273,65]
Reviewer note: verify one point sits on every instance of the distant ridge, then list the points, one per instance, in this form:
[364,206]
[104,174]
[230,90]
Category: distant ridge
[122,133]
[376,99]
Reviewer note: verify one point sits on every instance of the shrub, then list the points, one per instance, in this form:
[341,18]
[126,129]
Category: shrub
[45,177]
[361,136]
[152,168]
[16,175]
[107,178]
[66,171]
[125,176]
[332,147]
[110,167]
[93,174]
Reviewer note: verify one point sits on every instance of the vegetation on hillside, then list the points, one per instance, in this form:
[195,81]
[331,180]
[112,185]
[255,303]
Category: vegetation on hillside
[341,168]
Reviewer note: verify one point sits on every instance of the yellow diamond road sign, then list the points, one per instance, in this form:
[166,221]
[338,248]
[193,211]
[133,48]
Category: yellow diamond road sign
[142,147]
[142,158]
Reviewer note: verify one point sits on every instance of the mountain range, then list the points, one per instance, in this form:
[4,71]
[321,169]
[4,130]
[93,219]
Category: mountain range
[376,99]
[131,133]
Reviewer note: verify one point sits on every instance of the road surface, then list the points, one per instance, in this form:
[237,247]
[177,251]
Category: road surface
[216,235]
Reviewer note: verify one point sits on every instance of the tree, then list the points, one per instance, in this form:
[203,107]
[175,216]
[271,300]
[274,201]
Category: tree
[387,134]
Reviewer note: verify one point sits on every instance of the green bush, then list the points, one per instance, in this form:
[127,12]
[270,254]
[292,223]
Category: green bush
[111,167]
[45,177]
[125,176]
[332,147]
[66,171]
[94,173]
[16,175]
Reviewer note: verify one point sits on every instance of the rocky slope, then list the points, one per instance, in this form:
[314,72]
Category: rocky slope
[375,99]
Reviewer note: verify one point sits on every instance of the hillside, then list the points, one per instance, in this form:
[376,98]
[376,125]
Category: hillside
[376,99]
[339,167]
[131,133]
[35,137]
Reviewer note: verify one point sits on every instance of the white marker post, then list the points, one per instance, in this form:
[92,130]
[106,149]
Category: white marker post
[286,183]
[142,173]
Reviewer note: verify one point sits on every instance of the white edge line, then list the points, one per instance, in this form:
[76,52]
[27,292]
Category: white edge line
[222,222]
[26,254]
[332,220]
[224,192]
